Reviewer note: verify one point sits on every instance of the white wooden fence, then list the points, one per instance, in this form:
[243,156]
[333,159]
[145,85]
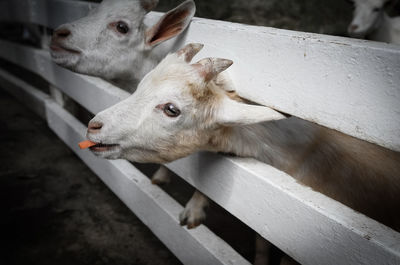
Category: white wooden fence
[345,84]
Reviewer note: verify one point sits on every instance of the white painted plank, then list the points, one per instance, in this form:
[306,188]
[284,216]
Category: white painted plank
[152,205]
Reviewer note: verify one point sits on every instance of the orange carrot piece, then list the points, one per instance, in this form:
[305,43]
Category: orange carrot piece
[86,144]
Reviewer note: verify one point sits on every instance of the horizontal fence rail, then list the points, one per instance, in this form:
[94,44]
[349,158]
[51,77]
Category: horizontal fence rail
[267,200]
[150,203]
[303,74]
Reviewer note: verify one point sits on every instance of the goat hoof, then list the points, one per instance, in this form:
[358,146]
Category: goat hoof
[161,177]
[192,218]
[158,182]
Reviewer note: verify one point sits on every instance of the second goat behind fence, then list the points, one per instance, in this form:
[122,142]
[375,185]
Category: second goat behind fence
[372,22]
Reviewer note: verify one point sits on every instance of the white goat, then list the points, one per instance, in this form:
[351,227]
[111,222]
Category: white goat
[371,21]
[178,109]
[112,42]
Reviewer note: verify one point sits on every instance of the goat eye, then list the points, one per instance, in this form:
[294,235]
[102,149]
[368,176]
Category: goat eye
[122,27]
[171,110]
[376,9]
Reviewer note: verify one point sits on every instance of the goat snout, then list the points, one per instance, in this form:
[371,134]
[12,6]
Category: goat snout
[353,27]
[94,127]
[61,33]
[60,41]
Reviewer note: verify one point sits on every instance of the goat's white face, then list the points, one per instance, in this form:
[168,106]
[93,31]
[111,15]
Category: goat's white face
[176,110]
[112,39]
[366,17]
[155,120]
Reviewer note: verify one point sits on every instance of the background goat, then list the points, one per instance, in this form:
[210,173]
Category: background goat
[112,41]
[372,22]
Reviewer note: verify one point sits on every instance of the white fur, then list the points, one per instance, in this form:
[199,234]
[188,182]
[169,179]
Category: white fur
[371,21]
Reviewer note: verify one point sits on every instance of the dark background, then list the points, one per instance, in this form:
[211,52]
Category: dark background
[318,16]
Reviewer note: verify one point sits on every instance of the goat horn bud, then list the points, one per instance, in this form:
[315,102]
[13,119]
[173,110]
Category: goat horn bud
[211,67]
[148,5]
[189,51]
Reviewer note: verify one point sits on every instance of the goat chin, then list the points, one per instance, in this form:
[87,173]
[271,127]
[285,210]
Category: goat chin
[66,59]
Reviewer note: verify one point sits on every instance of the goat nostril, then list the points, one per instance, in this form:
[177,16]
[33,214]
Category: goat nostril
[62,33]
[353,27]
[94,127]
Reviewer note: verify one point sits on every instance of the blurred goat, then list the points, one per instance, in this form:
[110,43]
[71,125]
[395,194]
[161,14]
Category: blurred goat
[371,21]
[112,42]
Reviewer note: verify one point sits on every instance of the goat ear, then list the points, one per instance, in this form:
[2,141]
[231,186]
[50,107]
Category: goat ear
[148,5]
[209,68]
[189,51]
[171,24]
[231,113]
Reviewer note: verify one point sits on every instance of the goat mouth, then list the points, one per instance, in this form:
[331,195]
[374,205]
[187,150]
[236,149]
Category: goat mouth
[56,47]
[100,147]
